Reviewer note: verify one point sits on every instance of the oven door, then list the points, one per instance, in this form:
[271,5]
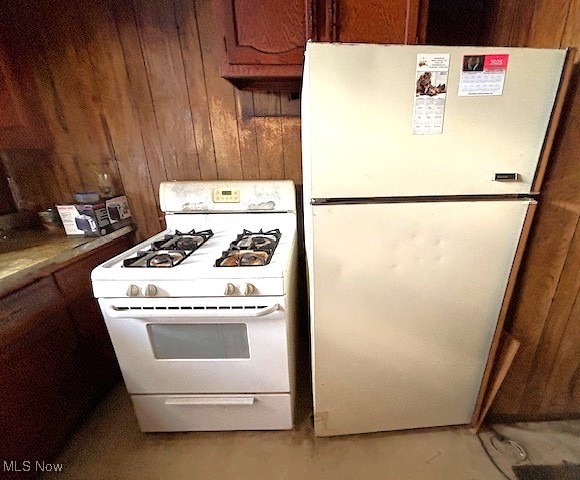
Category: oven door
[178,345]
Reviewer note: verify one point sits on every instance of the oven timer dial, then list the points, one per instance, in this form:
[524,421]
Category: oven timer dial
[230,289]
[248,289]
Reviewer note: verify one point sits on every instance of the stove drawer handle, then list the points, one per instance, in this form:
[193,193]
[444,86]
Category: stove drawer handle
[209,401]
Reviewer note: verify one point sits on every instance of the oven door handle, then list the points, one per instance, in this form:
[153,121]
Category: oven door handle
[128,312]
[267,311]
[209,401]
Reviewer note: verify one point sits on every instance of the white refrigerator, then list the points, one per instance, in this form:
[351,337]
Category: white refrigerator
[418,193]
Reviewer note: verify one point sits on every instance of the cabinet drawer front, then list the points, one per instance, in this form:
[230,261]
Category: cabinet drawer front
[77,277]
[181,413]
[20,311]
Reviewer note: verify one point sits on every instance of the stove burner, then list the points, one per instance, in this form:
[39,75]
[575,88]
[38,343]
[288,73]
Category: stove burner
[255,241]
[170,251]
[250,249]
[165,259]
[188,243]
[191,240]
[242,258]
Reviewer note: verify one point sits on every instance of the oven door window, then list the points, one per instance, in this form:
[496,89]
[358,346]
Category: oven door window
[199,341]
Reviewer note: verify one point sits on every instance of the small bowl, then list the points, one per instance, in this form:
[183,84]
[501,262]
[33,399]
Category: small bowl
[86,197]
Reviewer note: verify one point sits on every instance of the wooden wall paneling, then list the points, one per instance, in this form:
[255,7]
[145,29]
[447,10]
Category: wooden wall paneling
[220,93]
[31,171]
[164,63]
[545,314]
[120,117]
[561,184]
[556,365]
[522,21]
[141,92]
[24,36]
[195,77]
[534,319]
[563,99]
[544,365]
[563,384]
[508,22]
[269,135]
[133,89]
[498,22]
[21,123]
[536,290]
[291,143]
[70,66]
[571,35]
[247,134]
[548,23]
[61,156]
[11,109]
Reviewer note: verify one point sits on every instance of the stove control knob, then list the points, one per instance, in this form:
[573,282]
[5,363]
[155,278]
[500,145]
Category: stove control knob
[133,291]
[150,290]
[248,289]
[230,289]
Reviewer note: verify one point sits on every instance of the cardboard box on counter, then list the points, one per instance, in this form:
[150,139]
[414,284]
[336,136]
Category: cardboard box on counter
[97,218]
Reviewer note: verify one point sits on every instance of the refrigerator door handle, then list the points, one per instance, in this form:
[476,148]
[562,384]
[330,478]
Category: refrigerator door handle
[506,177]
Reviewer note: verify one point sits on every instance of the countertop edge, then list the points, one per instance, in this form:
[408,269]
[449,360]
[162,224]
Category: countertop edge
[45,267]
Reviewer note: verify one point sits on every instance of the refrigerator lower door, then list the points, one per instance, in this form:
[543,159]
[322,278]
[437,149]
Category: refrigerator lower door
[405,298]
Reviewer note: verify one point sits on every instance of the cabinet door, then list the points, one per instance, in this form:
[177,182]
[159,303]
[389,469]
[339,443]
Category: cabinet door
[377,21]
[367,21]
[98,356]
[265,33]
[264,43]
[97,349]
[44,387]
[21,123]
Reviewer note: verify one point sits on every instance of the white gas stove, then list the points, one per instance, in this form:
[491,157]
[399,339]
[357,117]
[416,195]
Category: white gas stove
[202,314]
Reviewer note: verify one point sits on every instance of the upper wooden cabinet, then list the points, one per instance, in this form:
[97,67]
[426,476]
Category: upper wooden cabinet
[264,41]
[21,121]
[366,21]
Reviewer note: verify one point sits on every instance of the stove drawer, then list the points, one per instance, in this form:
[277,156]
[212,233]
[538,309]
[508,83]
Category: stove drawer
[182,413]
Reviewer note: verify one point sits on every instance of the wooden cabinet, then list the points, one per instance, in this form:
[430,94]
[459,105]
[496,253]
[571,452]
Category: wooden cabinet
[264,41]
[21,123]
[74,283]
[43,389]
[366,21]
[56,358]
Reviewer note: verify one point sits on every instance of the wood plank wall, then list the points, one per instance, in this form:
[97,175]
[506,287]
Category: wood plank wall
[132,88]
[544,380]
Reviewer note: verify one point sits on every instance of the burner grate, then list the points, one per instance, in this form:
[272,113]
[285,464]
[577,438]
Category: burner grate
[191,240]
[250,249]
[170,251]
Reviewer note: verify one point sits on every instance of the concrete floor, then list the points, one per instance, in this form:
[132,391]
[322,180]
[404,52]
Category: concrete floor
[110,445]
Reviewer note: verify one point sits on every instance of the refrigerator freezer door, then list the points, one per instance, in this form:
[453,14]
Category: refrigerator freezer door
[357,131]
[406,298]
